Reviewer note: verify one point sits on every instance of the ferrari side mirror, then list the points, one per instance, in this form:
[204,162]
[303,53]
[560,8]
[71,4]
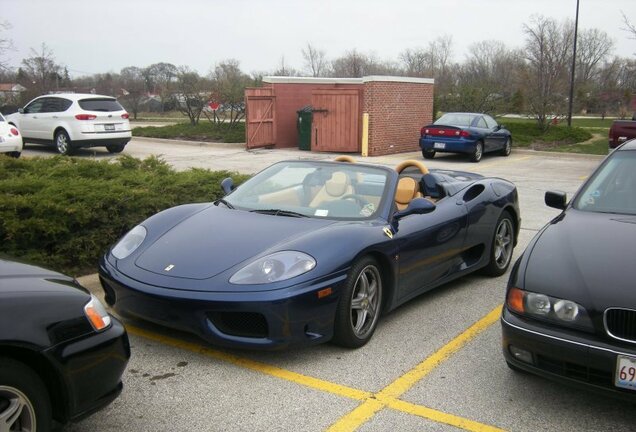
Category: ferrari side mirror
[227,184]
[416,206]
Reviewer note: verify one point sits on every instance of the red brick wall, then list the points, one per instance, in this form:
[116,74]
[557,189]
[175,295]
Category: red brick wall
[397,112]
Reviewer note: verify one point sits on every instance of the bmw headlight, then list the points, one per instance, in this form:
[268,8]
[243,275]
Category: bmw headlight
[276,267]
[130,242]
[565,312]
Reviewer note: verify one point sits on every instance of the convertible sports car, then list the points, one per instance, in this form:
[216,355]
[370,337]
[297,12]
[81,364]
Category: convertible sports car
[570,311]
[305,252]
[471,133]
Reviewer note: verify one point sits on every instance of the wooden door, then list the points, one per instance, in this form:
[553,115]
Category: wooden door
[335,126]
[260,117]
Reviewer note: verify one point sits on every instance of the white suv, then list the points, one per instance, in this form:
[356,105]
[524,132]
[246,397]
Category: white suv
[74,120]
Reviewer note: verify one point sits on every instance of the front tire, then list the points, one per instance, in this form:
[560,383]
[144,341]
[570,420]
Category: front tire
[478,152]
[428,154]
[115,148]
[505,151]
[360,305]
[63,143]
[15,154]
[502,246]
[24,399]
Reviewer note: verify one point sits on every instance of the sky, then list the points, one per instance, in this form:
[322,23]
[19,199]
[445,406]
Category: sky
[89,36]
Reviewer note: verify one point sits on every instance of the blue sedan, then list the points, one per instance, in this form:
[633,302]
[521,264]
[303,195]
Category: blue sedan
[306,252]
[469,133]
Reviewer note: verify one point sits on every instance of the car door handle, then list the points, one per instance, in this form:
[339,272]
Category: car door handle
[35,117]
[54,116]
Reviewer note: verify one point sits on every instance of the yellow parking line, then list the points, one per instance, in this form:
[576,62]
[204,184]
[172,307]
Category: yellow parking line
[441,417]
[371,403]
[315,383]
[390,393]
[500,162]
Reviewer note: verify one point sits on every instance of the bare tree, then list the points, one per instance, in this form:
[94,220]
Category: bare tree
[548,54]
[285,70]
[191,95]
[42,70]
[593,47]
[228,89]
[6,44]
[159,78]
[315,61]
[629,27]
[132,81]
[485,81]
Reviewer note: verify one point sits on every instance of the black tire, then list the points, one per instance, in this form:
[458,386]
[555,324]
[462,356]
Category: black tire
[19,383]
[428,154]
[63,143]
[115,148]
[15,154]
[502,247]
[478,152]
[360,305]
[505,151]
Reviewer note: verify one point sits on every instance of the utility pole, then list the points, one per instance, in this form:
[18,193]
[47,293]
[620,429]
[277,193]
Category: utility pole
[576,28]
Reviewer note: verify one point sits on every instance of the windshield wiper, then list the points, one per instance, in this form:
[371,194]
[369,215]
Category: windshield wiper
[224,202]
[279,212]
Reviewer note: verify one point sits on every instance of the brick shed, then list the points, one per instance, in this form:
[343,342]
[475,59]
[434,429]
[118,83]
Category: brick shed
[396,109]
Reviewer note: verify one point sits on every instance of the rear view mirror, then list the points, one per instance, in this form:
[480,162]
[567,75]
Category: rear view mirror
[21,110]
[556,199]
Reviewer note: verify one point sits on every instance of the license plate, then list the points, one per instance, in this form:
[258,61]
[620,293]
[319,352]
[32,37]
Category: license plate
[625,372]
[109,127]
[439,146]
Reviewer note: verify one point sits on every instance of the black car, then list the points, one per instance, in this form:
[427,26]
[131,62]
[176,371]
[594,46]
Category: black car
[570,311]
[61,354]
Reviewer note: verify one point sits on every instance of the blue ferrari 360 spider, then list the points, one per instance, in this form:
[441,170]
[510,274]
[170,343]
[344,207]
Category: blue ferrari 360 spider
[305,252]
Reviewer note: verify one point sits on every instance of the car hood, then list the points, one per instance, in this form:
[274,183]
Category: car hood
[586,257]
[216,239]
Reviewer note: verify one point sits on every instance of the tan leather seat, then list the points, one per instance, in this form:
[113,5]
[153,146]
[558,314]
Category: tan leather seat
[336,187]
[407,189]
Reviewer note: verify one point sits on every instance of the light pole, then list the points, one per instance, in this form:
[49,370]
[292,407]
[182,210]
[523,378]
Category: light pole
[576,28]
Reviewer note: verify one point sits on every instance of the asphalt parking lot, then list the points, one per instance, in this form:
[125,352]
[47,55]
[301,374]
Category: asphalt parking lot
[434,364]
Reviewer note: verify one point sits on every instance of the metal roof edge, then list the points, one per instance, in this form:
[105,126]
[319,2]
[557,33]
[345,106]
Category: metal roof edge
[310,80]
[403,79]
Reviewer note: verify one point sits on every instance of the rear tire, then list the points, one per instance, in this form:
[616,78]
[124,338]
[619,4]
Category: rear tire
[23,398]
[15,154]
[360,305]
[428,154]
[478,152]
[63,143]
[503,239]
[115,148]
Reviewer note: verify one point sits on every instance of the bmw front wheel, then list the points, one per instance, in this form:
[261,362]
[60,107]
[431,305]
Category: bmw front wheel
[360,305]
[24,400]
[507,148]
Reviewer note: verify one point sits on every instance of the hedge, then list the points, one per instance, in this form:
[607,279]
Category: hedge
[63,213]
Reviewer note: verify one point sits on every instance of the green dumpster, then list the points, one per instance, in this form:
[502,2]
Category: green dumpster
[304,128]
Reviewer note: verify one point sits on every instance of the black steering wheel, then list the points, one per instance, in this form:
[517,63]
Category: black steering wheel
[357,198]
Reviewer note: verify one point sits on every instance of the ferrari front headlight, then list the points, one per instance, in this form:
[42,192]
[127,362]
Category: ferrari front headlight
[130,242]
[276,267]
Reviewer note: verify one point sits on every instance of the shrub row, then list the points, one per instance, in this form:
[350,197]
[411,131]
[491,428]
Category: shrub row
[204,131]
[524,134]
[63,213]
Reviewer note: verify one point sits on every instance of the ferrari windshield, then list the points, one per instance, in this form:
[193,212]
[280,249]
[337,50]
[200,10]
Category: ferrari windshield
[612,189]
[313,189]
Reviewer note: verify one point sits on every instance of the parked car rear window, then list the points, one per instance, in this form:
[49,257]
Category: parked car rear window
[97,104]
[455,119]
